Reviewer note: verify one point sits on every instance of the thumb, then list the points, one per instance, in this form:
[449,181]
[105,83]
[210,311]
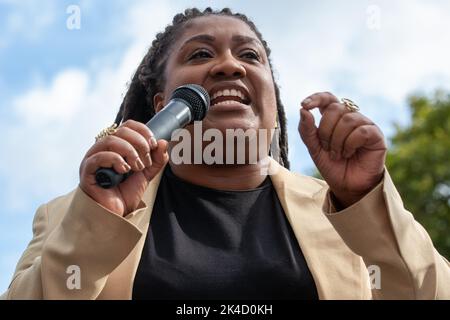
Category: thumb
[308,132]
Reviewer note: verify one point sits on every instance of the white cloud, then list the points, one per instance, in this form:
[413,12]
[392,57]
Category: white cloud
[57,103]
[408,52]
[26,19]
[323,50]
[146,18]
[56,123]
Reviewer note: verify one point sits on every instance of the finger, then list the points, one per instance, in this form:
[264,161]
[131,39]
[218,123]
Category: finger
[160,158]
[120,146]
[319,100]
[346,124]
[367,136]
[143,130]
[105,159]
[138,141]
[308,132]
[328,122]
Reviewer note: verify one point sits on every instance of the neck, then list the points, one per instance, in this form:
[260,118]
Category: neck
[222,177]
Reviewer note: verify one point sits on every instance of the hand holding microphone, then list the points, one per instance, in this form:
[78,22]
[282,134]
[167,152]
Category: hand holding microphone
[117,169]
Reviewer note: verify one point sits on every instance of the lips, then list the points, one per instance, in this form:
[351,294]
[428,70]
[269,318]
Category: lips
[228,96]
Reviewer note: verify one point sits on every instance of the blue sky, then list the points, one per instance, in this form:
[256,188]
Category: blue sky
[59,87]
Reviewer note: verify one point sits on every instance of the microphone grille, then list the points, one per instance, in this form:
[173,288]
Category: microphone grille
[196,97]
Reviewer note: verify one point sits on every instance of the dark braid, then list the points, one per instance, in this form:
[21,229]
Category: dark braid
[149,77]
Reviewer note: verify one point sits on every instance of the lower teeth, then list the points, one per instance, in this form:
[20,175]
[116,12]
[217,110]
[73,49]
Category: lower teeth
[225,102]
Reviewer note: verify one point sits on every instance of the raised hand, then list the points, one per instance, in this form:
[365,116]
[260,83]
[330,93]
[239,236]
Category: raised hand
[348,149]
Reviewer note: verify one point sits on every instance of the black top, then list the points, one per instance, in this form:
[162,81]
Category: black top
[204,243]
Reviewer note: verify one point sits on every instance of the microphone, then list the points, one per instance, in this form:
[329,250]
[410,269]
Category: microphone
[187,104]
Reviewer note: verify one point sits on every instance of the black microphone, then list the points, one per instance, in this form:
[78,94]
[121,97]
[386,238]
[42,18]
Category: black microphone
[187,104]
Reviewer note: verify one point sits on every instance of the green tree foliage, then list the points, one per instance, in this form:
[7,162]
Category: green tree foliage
[419,163]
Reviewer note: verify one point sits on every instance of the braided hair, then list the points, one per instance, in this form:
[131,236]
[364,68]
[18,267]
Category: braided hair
[148,78]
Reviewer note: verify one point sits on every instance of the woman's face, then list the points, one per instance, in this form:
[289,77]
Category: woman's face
[223,55]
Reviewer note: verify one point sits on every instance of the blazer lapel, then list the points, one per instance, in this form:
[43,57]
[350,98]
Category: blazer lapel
[335,268]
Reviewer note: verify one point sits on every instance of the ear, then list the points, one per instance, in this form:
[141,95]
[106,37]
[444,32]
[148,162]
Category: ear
[158,101]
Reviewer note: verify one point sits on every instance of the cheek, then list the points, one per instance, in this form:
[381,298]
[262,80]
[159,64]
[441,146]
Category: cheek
[177,74]
[269,102]
[269,89]
[174,76]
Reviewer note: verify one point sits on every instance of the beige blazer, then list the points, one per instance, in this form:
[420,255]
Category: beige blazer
[340,248]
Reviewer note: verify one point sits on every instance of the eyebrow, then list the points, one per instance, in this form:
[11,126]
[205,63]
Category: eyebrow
[206,38]
[245,39]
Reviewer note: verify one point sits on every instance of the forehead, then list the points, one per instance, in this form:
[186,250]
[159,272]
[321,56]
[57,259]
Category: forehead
[217,26]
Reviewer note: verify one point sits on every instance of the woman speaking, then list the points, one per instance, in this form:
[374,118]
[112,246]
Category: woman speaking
[202,230]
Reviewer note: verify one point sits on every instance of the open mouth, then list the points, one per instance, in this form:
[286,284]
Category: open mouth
[228,97]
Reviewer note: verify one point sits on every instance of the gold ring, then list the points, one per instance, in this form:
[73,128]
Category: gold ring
[107,132]
[350,105]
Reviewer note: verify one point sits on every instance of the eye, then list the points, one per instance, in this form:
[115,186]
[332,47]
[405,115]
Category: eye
[200,54]
[250,54]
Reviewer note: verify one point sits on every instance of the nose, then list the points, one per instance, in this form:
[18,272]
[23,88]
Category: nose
[228,67]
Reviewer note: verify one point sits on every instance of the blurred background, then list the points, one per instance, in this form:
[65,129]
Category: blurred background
[65,65]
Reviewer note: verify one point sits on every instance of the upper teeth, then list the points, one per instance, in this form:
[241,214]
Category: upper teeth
[227,93]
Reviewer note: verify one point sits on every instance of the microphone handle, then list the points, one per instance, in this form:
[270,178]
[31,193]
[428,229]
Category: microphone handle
[176,114]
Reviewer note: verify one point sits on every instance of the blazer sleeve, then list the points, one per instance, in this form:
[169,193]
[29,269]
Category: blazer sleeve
[387,237]
[89,242]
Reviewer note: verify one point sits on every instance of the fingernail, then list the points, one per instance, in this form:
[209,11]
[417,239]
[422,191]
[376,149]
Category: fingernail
[127,167]
[153,142]
[149,159]
[306,101]
[139,164]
